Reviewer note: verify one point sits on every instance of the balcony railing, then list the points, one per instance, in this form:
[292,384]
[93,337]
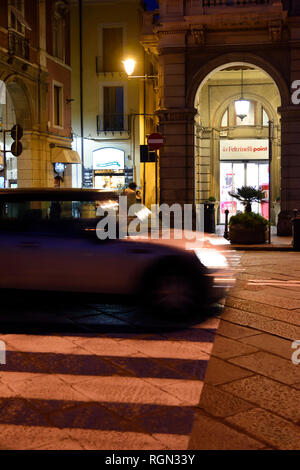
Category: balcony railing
[113,123]
[230,3]
[18,45]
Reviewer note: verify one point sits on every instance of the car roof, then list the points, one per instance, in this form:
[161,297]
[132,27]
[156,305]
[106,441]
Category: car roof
[56,194]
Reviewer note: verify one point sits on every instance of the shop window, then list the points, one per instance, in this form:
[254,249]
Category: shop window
[108,166]
[224,121]
[15,15]
[112,40]
[113,118]
[249,120]
[265,118]
[58,105]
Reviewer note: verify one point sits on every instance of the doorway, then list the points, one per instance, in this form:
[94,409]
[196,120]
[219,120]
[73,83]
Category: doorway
[234,175]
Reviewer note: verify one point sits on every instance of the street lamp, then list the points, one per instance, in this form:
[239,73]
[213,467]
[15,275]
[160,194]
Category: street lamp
[242,106]
[129,66]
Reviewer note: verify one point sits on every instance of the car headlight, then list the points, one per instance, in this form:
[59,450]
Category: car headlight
[211,259]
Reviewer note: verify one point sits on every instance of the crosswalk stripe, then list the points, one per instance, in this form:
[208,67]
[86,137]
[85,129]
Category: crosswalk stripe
[112,389]
[76,345]
[38,437]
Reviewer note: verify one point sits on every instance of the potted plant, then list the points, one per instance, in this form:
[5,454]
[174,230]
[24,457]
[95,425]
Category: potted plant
[248,227]
[247,195]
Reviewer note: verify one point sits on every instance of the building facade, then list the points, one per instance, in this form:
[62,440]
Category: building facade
[110,118]
[35,78]
[210,53]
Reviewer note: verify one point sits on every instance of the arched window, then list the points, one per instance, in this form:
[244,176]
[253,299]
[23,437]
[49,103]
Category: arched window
[58,28]
[265,118]
[225,119]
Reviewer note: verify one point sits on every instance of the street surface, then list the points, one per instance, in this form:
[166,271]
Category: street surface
[251,396]
[92,376]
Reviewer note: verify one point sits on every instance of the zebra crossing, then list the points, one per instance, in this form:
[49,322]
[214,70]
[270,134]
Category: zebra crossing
[116,389]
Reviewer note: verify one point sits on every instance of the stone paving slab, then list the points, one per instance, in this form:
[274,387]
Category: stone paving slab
[269,394]
[218,403]
[268,427]
[261,310]
[211,434]
[269,365]
[227,348]
[273,344]
[254,399]
[219,372]
[230,330]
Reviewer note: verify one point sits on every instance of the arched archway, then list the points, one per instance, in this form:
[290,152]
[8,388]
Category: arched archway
[15,109]
[19,96]
[232,59]
[215,94]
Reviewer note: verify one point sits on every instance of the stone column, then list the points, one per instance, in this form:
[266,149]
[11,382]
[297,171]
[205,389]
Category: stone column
[290,157]
[203,166]
[177,155]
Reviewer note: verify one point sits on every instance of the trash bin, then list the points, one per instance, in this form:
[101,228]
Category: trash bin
[209,218]
[296,233]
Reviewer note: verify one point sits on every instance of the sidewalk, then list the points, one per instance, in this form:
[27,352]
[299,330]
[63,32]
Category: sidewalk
[277,243]
[251,394]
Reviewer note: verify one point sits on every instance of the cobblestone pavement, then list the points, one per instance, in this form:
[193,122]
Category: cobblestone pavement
[94,376]
[251,393]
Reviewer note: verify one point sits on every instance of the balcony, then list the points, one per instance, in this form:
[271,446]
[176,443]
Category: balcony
[199,17]
[212,7]
[113,123]
[230,3]
[101,70]
[18,45]
[184,8]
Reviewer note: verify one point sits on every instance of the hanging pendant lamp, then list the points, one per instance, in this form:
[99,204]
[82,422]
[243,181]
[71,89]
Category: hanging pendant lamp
[242,106]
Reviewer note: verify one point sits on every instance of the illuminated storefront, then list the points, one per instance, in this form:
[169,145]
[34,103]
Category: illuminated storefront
[243,163]
[109,168]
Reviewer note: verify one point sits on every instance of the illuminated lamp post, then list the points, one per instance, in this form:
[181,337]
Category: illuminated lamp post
[129,66]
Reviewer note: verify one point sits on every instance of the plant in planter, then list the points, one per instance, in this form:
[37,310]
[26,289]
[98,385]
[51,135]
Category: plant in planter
[247,195]
[248,227]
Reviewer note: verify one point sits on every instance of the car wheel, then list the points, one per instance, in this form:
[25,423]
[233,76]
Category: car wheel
[172,293]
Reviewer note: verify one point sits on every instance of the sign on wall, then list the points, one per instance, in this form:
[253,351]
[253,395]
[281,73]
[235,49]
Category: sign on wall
[108,159]
[245,149]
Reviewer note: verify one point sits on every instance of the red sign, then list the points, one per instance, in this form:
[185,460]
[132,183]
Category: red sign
[155,141]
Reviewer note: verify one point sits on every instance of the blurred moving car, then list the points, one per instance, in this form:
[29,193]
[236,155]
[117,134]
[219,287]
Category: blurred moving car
[48,242]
